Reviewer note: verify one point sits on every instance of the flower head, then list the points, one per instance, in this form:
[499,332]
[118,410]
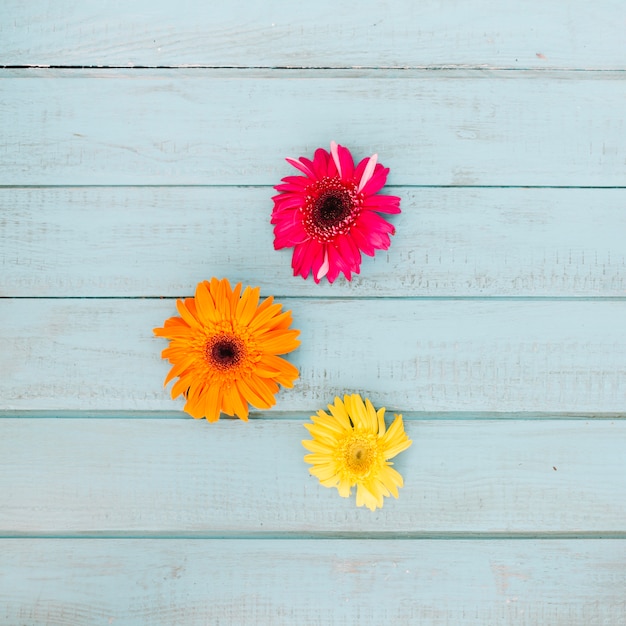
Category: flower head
[330,214]
[351,447]
[224,348]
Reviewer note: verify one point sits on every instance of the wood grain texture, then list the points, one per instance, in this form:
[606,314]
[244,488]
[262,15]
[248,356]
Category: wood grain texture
[193,583]
[323,34]
[410,355]
[210,127]
[495,322]
[161,241]
[184,477]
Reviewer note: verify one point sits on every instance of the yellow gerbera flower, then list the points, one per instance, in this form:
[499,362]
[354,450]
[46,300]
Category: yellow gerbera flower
[224,349]
[351,447]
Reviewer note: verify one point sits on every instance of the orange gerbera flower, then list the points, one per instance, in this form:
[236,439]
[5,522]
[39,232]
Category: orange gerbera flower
[224,349]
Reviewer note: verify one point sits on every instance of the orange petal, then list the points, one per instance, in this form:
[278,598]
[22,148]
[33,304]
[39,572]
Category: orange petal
[254,396]
[186,314]
[240,406]
[247,306]
[213,403]
[279,341]
[204,305]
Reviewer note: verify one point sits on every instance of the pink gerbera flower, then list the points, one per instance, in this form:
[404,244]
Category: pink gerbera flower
[330,215]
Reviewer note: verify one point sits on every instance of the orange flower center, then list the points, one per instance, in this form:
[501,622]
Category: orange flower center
[225,351]
[331,208]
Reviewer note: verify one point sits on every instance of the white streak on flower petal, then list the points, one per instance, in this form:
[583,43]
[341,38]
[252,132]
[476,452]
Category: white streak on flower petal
[323,270]
[334,150]
[369,170]
[300,166]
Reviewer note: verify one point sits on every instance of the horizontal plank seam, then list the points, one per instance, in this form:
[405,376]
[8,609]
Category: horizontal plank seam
[327,73]
[350,298]
[450,416]
[288,68]
[256,186]
[313,536]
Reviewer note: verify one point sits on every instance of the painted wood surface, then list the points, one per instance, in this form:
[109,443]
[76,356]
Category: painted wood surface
[408,355]
[314,582]
[161,477]
[532,34]
[234,127]
[495,322]
[160,241]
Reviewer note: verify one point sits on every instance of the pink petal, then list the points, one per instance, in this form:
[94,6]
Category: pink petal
[360,168]
[362,241]
[376,182]
[289,187]
[296,184]
[375,229]
[337,265]
[331,277]
[289,232]
[335,154]
[323,270]
[302,166]
[369,170]
[384,204]
[320,162]
[288,201]
[374,222]
[297,260]
[299,181]
[348,250]
[380,241]
[318,258]
[303,257]
[347,164]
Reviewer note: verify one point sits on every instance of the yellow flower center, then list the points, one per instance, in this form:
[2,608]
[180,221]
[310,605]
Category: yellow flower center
[359,453]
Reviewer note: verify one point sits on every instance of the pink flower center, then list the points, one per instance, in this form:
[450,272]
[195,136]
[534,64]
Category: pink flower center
[331,208]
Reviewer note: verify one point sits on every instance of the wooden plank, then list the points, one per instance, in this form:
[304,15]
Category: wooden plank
[185,477]
[410,355]
[432,583]
[323,33]
[155,241]
[235,127]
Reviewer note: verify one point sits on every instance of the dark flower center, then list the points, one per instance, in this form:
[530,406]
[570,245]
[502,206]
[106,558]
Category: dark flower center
[225,352]
[331,209]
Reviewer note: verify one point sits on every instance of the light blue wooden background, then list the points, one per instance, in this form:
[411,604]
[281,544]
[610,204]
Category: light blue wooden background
[139,144]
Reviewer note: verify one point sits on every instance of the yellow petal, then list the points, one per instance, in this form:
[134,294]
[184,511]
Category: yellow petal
[380,415]
[372,419]
[338,410]
[356,410]
[395,439]
[317,446]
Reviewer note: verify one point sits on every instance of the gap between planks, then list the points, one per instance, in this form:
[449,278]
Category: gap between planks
[268,186]
[316,68]
[450,416]
[346,298]
[341,73]
[356,535]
